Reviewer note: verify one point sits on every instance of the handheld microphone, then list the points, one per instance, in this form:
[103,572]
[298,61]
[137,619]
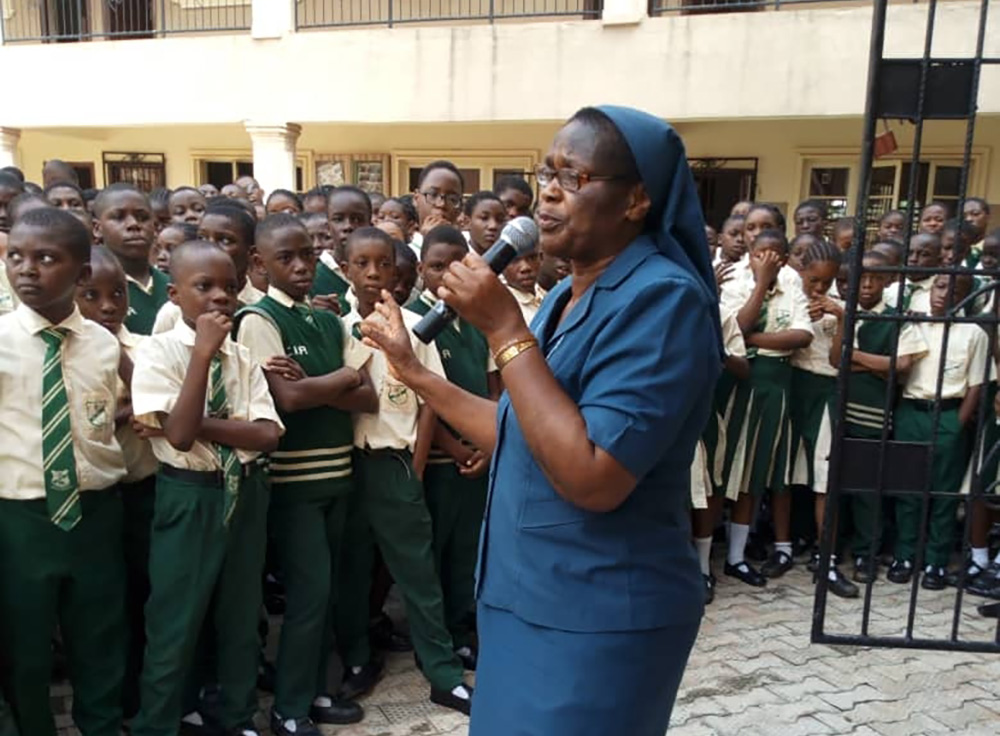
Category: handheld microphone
[519,237]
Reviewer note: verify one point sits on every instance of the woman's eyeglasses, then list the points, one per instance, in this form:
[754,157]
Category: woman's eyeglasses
[570,180]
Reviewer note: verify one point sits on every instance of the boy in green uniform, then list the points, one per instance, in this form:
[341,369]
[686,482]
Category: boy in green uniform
[965,361]
[311,470]
[61,558]
[925,251]
[866,393]
[103,298]
[455,479]
[349,210]
[211,417]
[391,452]
[124,223]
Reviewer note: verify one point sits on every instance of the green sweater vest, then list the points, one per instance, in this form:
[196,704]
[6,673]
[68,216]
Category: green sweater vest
[328,282]
[866,391]
[313,459]
[142,307]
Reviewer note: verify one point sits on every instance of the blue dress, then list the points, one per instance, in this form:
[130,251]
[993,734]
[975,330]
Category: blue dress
[586,619]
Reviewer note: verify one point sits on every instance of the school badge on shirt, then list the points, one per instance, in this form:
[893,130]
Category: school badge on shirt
[59,480]
[782,320]
[397,394]
[97,412]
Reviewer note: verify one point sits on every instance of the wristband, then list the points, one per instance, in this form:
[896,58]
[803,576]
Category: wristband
[510,351]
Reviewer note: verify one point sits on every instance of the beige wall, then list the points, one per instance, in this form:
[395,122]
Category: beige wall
[799,63]
[782,146]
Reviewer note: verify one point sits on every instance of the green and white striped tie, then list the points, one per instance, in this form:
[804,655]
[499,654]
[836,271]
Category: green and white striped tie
[232,471]
[62,491]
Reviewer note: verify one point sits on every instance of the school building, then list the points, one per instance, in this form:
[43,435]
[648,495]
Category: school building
[769,96]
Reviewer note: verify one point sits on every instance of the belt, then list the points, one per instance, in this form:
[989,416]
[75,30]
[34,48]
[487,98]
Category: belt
[928,405]
[203,477]
[384,451]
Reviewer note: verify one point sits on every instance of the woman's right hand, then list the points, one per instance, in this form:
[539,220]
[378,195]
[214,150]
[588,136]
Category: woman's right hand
[388,334]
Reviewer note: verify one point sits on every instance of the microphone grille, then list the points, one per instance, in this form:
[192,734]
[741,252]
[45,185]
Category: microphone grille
[522,233]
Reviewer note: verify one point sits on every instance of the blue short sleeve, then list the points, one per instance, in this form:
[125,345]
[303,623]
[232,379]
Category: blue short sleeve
[649,375]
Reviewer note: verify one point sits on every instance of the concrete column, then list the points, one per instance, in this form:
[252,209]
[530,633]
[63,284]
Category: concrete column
[8,146]
[274,154]
[272,18]
[624,12]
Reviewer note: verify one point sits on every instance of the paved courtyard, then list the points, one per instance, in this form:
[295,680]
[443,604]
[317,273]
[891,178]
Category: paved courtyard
[754,671]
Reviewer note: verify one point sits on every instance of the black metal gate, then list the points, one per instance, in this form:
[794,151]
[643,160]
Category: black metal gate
[895,471]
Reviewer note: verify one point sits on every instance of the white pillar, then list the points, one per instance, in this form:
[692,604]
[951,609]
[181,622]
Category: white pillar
[272,18]
[8,146]
[624,12]
[274,154]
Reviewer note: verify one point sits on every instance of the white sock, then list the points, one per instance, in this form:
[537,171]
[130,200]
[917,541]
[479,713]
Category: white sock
[356,670]
[831,574]
[322,701]
[785,547]
[996,560]
[460,691]
[704,547]
[463,652]
[194,718]
[738,534]
[981,556]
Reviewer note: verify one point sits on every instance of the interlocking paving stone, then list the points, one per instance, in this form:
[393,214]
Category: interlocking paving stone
[754,670]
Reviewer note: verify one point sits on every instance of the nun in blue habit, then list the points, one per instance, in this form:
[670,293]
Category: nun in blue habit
[589,590]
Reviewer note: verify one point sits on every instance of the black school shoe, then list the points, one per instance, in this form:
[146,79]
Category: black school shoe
[839,586]
[340,712]
[362,682]
[865,573]
[709,588]
[933,578]
[813,564]
[777,565]
[745,572]
[469,658]
[299,726]
[383,635]
[247,729]
[900,572]
[446,699]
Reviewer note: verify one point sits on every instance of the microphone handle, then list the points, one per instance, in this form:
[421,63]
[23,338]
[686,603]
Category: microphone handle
[441,315]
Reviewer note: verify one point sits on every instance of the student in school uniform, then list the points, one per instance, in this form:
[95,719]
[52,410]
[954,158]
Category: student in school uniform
[813,388]
[874,343]
[61,559]
[455,481]
[103,299]
[124,222]
[232,229]
[349,209]
[210,418]
[965,359]
[390,457]
[311,473]
[976,214]
[773,314]
[8,299]
[521,277]
[925,252]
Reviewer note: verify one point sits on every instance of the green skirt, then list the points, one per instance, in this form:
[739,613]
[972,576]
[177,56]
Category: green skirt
[768,431]
[811,399]
[725,437]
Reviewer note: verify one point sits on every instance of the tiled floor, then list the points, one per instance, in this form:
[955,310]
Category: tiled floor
[754,671]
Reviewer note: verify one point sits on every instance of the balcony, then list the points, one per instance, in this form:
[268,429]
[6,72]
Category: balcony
[345,13]
[658,8]
[57,21]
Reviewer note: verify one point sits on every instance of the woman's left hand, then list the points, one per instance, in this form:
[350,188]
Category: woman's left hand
[472,289]
[384,330]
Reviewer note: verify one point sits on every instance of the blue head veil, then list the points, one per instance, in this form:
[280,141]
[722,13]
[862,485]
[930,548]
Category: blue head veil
[675,221]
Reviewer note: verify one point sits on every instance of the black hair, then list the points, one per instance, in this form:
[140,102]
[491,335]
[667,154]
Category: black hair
[821,251]
[961,228]
[980,201]
[30,186]
[932,239]
[278,221]
[404,252]
[64,168]
[936,203]
[320,191]
[406,202]
[284,193]
[101,201]
[63,185]
[373,195]
[186,188]
[61,227]
[159,197]
[771,234]
[891,213]
[22,199]
[238,216]
[813,204]
[447,234]
[243,204]
[731,218]
[612,154]
[361,193]
[485,196]
[368,233]
[504,183]
[305,217]
[11,182]
[13,171]
[101,254]
[779,219]
[189,229]
[434,166]
[874,255]
[90,194]
[190,248]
